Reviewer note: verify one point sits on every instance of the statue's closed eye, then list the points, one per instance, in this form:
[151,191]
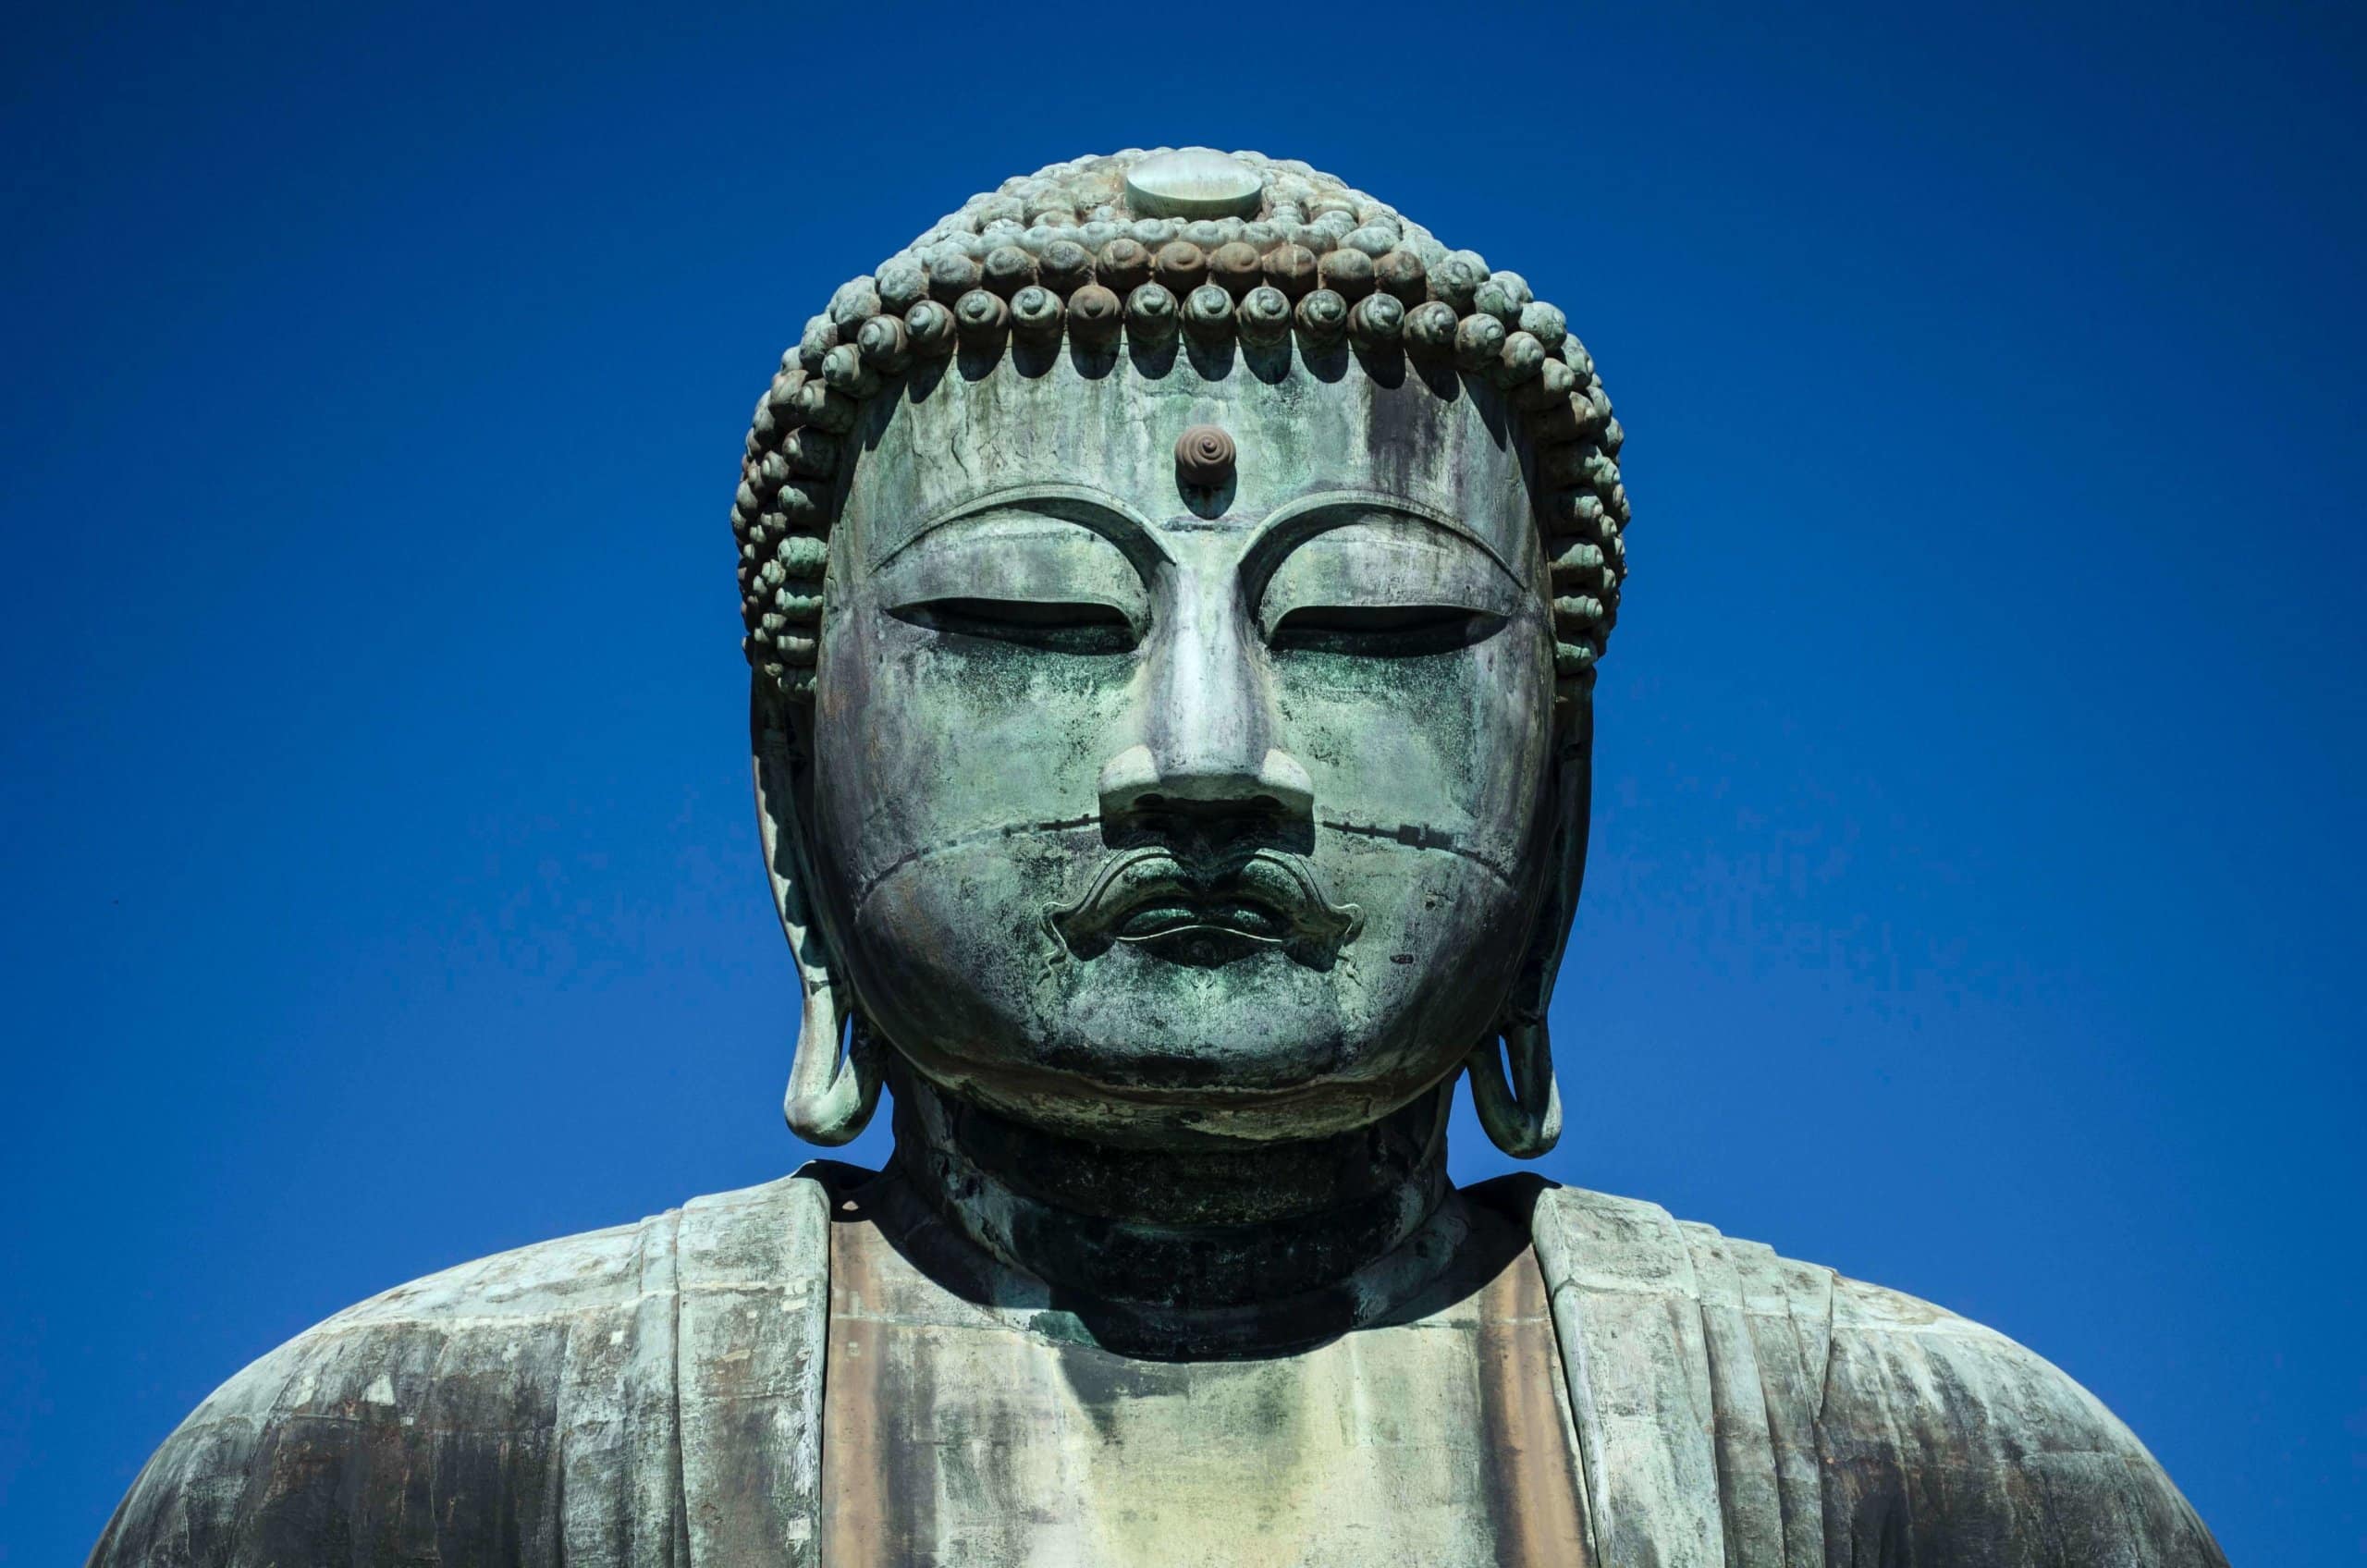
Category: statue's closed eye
[1383,631]
[1059,626]
[1374,582]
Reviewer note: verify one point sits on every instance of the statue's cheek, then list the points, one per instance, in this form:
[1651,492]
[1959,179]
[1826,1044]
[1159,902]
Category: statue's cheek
[927,739]
[1450,747]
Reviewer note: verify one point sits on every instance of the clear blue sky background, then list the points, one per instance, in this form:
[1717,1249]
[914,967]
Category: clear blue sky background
[1975,900]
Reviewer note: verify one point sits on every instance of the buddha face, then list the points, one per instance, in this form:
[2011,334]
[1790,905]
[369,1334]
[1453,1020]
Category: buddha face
[1155,811]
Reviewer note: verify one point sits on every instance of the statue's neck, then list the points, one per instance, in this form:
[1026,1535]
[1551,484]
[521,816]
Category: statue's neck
[1333,1226]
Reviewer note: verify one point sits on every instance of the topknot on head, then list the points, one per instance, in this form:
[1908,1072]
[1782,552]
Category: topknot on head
[1222,248]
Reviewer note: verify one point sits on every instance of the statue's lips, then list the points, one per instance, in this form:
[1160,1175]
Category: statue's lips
[1205,913]
[1168,917]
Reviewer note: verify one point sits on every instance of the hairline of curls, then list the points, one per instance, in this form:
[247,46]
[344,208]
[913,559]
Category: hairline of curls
[1055,255]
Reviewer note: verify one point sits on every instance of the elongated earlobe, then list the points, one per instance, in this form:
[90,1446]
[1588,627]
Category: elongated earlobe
[832,1092]
[1514,1090]
[1513,1086]
[834,1078]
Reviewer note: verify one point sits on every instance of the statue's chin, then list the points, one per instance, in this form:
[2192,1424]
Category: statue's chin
[1138,1009]
[1211,1039]
[1117,1114]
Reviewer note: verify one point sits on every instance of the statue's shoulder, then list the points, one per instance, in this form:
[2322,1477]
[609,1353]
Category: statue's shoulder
[1725,1392]
[557,1403]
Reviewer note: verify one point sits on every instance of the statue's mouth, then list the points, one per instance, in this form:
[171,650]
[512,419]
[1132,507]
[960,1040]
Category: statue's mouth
[1206,914]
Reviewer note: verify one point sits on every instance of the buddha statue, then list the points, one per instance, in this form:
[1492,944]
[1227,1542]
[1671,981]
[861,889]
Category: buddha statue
[1173,586]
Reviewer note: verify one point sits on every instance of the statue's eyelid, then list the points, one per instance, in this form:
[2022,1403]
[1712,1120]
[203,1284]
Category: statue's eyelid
[1289,528]
[1468,574]
[1092,510]
[1052,560]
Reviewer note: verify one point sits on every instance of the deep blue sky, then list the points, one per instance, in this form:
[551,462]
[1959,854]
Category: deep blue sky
[1974,903]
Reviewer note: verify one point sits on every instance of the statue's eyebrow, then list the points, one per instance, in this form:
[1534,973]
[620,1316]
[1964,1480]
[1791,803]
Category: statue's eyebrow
[1287,527]
[1094,510]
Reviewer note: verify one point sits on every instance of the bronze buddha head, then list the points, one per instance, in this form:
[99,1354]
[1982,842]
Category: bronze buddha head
[1173,586]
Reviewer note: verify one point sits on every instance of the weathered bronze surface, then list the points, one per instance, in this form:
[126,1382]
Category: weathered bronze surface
[980,1424]
[1174,588]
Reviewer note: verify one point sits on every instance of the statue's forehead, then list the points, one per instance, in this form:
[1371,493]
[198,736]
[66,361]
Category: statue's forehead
[946,445]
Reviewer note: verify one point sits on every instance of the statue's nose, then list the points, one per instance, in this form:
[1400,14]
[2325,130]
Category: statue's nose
[1209,742]
[1132,782]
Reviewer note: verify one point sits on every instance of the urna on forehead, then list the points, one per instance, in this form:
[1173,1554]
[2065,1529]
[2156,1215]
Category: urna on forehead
[1079,306]
[1112,432]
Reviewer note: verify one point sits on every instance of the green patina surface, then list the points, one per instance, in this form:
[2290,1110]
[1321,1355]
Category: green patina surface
[1174,588]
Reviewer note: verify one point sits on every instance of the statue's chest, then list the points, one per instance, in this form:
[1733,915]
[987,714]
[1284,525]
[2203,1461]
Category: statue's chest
[953,1434]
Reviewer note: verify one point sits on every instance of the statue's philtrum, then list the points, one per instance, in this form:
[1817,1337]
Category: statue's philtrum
[1174,588]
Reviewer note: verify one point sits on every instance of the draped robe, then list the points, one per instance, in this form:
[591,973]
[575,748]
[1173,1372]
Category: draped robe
[652,1396]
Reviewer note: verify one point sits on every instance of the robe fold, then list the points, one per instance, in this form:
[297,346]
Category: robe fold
[652,1396]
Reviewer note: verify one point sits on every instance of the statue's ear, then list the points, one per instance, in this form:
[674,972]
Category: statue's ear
[1513,1086]
[834,1079]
